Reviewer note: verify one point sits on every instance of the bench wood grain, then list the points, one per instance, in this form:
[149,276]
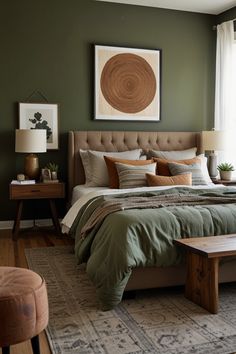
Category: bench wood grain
[203,256]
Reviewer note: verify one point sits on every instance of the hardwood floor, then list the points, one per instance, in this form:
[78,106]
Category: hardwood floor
[12,254]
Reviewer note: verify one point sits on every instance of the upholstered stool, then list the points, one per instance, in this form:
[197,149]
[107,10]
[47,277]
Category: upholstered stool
[23,307]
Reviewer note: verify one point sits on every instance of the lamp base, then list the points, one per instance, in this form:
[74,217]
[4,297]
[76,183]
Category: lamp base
[32,166]
[212,165]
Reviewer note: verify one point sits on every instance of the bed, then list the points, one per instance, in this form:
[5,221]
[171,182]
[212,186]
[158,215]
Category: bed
[141,277]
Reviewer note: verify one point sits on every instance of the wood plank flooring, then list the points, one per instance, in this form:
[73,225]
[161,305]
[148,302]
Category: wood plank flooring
[12,254]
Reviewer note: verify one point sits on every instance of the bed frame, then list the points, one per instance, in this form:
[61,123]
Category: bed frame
[151,277]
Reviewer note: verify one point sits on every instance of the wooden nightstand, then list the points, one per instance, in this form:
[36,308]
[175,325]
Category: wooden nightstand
[49,191]
[225,183]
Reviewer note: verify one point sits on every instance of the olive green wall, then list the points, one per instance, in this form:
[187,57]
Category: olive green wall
[48,45]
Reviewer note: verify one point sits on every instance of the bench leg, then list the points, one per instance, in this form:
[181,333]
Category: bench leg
[6,350]
[35,345]
[202,281]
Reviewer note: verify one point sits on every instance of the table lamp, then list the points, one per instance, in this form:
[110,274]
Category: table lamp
[212,140]
[31,141]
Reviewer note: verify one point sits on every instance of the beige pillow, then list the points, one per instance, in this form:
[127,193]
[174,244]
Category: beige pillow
[86,165]
[185,180]
[97,166]
[174,155]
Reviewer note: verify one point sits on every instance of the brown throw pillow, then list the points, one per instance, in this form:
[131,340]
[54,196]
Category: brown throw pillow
[185,180]
[112,171]
[162,164]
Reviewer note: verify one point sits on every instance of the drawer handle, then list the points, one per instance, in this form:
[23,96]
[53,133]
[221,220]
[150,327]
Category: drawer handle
[35,190]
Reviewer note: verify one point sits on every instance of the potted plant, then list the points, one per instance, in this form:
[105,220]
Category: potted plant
[225,170]
[53,167]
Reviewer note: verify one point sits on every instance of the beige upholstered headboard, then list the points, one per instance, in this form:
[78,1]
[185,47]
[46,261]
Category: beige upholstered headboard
[121,141]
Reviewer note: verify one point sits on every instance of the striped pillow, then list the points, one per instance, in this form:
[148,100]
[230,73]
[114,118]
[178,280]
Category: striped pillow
[195,169]
[134,176]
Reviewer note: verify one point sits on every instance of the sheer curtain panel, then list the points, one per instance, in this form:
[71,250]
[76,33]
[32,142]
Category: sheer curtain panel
[225,90]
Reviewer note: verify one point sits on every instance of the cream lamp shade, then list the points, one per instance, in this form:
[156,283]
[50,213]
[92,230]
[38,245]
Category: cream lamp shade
[31,141]
[213,140]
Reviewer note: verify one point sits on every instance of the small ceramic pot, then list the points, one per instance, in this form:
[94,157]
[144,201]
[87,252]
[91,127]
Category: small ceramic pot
[54,175]
[226,175]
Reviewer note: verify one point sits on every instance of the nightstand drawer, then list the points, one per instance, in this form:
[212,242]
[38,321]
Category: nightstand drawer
[37,191]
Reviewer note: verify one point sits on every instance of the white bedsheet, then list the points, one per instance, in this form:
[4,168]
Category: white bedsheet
[92,192]
[82,189]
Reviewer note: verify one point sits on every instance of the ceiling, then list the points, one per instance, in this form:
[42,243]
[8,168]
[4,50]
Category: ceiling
[213,7]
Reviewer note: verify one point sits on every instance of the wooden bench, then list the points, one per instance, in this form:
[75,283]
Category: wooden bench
[203,255]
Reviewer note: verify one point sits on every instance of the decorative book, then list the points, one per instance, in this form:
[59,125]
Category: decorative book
[26,181]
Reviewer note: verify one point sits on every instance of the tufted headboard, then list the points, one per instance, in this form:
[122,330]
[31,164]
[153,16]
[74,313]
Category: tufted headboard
[121,141]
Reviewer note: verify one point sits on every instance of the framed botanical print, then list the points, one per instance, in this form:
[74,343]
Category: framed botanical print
[41,116]
[127,84]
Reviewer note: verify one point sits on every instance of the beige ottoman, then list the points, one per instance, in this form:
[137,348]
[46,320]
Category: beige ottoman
[23,307]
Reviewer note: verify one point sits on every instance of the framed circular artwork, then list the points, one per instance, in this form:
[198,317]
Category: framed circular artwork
[127,84]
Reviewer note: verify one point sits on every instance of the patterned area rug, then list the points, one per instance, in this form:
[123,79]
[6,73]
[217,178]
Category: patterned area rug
[156,321]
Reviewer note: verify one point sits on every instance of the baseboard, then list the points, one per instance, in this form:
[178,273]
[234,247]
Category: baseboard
[8,224]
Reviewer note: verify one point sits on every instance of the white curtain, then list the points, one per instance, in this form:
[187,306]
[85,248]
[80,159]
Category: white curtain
[225,90]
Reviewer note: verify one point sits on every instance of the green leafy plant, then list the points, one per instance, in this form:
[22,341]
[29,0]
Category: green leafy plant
[52,166]
[225,166]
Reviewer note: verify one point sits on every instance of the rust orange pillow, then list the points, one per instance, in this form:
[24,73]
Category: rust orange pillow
[162,164]
[185,180]
[112,171]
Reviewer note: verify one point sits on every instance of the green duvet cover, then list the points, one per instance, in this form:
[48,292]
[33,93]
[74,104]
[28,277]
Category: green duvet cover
[140,237]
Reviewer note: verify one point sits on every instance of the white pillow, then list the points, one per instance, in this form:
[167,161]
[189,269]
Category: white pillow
[95,167]
[134,176]
[204,168]
[174,155]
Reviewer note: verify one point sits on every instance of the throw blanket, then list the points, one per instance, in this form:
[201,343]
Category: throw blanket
[143,237]
[114,204]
